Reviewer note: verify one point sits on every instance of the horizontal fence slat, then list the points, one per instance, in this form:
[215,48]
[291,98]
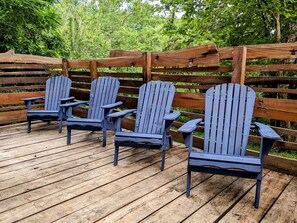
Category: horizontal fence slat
[15,98]
[274,80]
[23,80]
[271,67]
[192,78]
[27,87]
[12,116]
[193,69]
[30,66]
[21,73]
[275,90]
[79,73]
[121,75]
[279,109]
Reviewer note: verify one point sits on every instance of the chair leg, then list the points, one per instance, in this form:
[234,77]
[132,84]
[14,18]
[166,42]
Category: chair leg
[188,183]
[68,136]
[104,138]
[163,159]
[258,193]
[29,126]
[170,142]
[116,155]
[60,125]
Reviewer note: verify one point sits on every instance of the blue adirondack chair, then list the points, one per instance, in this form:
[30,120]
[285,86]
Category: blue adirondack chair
[153,120]
[103,95]
[227,124]
[56,93]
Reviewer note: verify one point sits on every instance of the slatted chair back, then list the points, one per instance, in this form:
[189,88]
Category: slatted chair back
[228,116]
[56,88]
[104,91]
[155,100]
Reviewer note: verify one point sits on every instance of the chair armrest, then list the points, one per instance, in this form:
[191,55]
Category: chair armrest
[122,114]
[190,126]
[266,131]
[63,100]
[110,106]
[33,99]
[74,104]
[172,116]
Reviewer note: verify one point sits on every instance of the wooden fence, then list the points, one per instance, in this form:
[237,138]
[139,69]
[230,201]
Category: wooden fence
[270,69]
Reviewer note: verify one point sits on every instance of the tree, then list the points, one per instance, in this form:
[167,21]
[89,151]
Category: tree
[234,22]
[93,28]
[30,26]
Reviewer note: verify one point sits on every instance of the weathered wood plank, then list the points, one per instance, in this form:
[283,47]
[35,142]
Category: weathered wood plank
[272,186]
[201,79]
[28,87]
[212,211]
[239,64]
[29,66]
[125,53]
[15,98]
[173,211]
[192,69]
[23,80]
[12,116]
[285,208]
[11,57]
[89,191]
[152,202]
[28,73]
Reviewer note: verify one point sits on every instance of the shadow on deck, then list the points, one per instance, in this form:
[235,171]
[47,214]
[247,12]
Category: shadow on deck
[44,180]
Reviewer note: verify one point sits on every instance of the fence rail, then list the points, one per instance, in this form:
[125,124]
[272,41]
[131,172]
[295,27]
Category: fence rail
[270,69]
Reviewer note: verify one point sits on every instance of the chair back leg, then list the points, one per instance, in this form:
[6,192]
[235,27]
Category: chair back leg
[29,126]
[68,136]
[104,138]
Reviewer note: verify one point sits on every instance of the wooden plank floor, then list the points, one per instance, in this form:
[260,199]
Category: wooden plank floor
[44,180]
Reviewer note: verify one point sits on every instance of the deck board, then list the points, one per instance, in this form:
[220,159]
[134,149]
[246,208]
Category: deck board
[44,180]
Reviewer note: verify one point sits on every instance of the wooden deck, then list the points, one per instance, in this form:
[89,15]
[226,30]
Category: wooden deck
[44,180]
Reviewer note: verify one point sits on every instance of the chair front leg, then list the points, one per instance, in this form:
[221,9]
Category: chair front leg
[116,155]
[104,123]
[163,158]
[68,136]
[29,126]
[188,182]
[258,193]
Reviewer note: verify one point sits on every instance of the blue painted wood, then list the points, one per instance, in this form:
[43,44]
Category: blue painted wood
[234,116]
[222,103]
[153,119]
[56,93]
[251,95]
[227,121]
[208,113]
[214,119]
[103,95]
[228,116]
[240,120]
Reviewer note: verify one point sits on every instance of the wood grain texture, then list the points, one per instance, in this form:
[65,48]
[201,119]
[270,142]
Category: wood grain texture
[15,98]
[11,57]
[44,180]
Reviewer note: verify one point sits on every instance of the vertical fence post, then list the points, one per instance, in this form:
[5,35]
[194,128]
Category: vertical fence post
[65,67]
[93,70]
[239,64]
[147,66]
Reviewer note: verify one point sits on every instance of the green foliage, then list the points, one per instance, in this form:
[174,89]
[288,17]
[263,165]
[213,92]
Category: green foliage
[232,22]
[29,26]
[92,28]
